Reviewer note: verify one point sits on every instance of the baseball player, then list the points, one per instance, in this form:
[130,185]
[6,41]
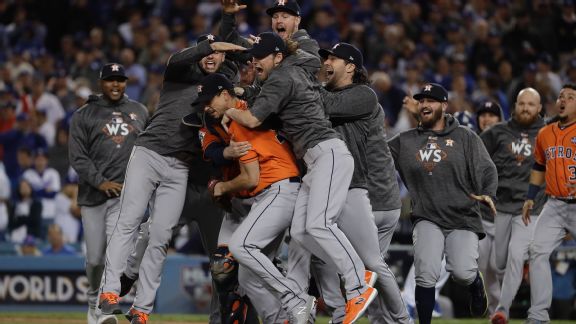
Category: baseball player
[102,134]
[213,136]
[158,172]
[447,171]
[488,114]
[269,174]
[289,93]
[511,146]
[555,164]
[351,105]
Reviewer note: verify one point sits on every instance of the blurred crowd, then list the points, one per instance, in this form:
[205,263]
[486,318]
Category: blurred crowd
[52,51]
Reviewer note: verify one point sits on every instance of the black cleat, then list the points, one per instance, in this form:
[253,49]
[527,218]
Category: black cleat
[478,298]
[126,284]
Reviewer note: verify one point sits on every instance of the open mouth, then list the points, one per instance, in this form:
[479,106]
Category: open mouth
[210,64]
[259,70]
[115,92]
[561,108]
[425,111]
[281,30]
[329,73]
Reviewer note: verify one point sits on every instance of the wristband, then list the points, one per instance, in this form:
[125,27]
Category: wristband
[532,191]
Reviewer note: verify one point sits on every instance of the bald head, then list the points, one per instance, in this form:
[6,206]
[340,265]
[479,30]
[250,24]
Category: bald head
[528,107]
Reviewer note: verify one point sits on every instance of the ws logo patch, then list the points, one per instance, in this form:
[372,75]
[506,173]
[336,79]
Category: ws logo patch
[430,156]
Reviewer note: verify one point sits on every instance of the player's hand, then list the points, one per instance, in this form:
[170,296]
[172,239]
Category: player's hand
[226,47]
[111,188]
[225,121]
[485,199]
[231,6]
[526,210]
[410,104]
[236,149]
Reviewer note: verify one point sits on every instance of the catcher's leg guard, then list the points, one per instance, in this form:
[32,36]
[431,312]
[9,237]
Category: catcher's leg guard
[234,309]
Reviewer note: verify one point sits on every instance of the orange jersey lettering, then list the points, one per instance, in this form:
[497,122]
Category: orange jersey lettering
[556,149]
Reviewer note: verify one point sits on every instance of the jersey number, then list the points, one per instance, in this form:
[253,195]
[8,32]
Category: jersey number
[572,169]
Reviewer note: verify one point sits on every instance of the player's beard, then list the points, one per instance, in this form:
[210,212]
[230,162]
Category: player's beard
[431,122]
[526,119]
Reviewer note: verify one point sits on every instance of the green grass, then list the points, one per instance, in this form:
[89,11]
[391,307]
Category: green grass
[73,318]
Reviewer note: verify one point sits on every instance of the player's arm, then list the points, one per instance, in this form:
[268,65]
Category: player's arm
[537,179]
[246,180]
[484,173]
[340,106]
[275,92]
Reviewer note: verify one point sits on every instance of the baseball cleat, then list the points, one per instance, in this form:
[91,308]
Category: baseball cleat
[109,304]
[370,277]
[126,284]
[136,316]
[356,306]
[499,318]
[107,319]
[478,297]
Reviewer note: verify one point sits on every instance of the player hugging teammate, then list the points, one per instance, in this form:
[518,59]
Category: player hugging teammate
[338,215]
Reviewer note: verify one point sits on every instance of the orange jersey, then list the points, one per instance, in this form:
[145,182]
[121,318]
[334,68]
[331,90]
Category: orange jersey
[274,154]
[216,134]
[556,149]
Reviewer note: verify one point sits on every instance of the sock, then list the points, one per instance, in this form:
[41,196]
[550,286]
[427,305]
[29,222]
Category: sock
[476,285]
[425,300]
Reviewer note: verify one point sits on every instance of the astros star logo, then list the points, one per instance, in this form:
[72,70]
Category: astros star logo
[449,142]
[281,2]
[428,87]
[210,37]
[199,88]
[115,68]
[257,40]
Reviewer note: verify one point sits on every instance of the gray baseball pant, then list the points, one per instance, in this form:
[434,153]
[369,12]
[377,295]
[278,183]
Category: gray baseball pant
[431,244]
[554,221]
[148,174]
[357,223]
[98,222]
[409,291]
[386,221]
[269,217]
[518,247]
[208,217]
[487,265]
[320,201]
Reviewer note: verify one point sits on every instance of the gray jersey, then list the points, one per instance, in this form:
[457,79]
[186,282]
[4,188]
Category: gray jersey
[291,93]
[441,169]
[512,150]
[102,135]
[165,133]
[382,183]
[350,109]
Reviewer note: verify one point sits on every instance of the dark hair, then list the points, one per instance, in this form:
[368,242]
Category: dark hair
[360,75]
[569,86]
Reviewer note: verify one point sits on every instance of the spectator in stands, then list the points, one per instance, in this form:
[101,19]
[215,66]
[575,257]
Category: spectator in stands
[57,244]
[4,198]
[68,212]
[28,247]
[136,74]
[45,182]
[59,152]
[570,76]
[42,100]
[26,213]
[389,96]
[45,128]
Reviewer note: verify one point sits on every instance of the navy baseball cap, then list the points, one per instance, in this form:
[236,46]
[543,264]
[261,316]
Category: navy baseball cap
[489,106]
[211,38]
[112,70]
[288,6]
[267,43]
[210,86]
[433,91]
[345,51]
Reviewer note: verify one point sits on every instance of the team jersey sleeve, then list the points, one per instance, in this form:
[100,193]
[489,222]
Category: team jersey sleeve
[539,155]
[394,146]
[489,140]
[275,92]
[179,63]
[341,105]
[79,152]
[239,133]
[206,139]
[483,170]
